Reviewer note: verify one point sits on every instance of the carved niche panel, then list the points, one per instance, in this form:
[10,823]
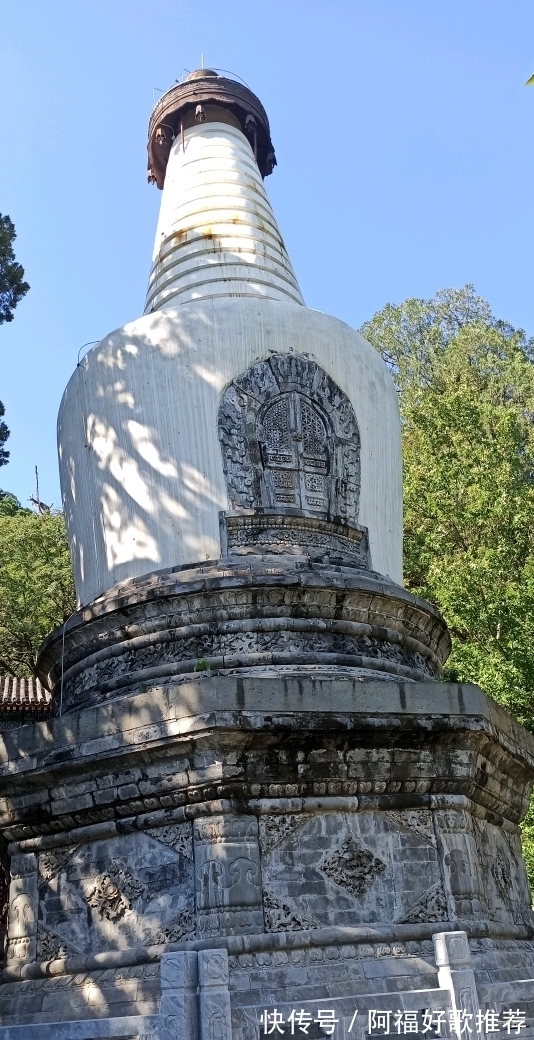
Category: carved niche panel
[131,890]
[350,868]
[290,440]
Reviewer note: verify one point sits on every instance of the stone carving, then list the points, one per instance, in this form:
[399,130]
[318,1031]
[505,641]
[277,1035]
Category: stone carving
[417,822]
[513,842]
[50,946]
[21,916]
[21,949]
[228,874]
[82,995]
[215,1013]
[179,1002]
[52,862]
[502,876]
[177,836]
[347,952]
[211,829]
[239,920]
[215,968]
[281,917]
[353,867]
[174,633]
[217,879]
[211,878]
[275,533]
[274,829]
[112,892]
[432,906]
[243,639]
[289,438]
[23,865]
[452,820]
[182,927]
[23,902]
[463,879]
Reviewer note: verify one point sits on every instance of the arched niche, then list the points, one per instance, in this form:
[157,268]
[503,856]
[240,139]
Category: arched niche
[290,442]
[291,457]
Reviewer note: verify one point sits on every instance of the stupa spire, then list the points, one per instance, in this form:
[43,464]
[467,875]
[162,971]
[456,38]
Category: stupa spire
[217,236]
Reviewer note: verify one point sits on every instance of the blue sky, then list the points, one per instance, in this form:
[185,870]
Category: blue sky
[405,143]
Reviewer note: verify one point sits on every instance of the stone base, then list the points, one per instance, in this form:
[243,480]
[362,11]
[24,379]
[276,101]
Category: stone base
[252,532]
[223,846]
[240,614]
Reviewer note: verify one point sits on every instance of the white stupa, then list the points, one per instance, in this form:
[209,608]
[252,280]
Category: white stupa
[142,470]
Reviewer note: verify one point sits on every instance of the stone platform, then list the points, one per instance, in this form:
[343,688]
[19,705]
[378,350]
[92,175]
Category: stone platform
[185,858]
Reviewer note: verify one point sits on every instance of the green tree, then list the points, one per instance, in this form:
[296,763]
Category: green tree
[12,284]
[466,393]
[10,505]
[4,434]
[36,586]
[12,289]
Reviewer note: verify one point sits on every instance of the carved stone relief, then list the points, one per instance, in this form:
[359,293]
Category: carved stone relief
[177,836]
[113,892]
[506,889]
[353,867]
[227,875]
[125,891]
[462,868]
[431,906]
[417,822]
[290,439]
[281,917]
[182,927]
[276,828]
[273,532]
[502,876]
[51,946]
[215,1012]
[179,1001]
[23,904]
[52,862]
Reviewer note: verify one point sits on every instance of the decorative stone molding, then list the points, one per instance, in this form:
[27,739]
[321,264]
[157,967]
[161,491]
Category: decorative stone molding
[463,885]
[370,794]
[229,828]
[500,871]
[307,954]
[253,533]
[417,822]
[353,867]
[239,614]
[51,946]
[52,862]
[455,974]
[23,903]
[179,1003]
[182,927]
